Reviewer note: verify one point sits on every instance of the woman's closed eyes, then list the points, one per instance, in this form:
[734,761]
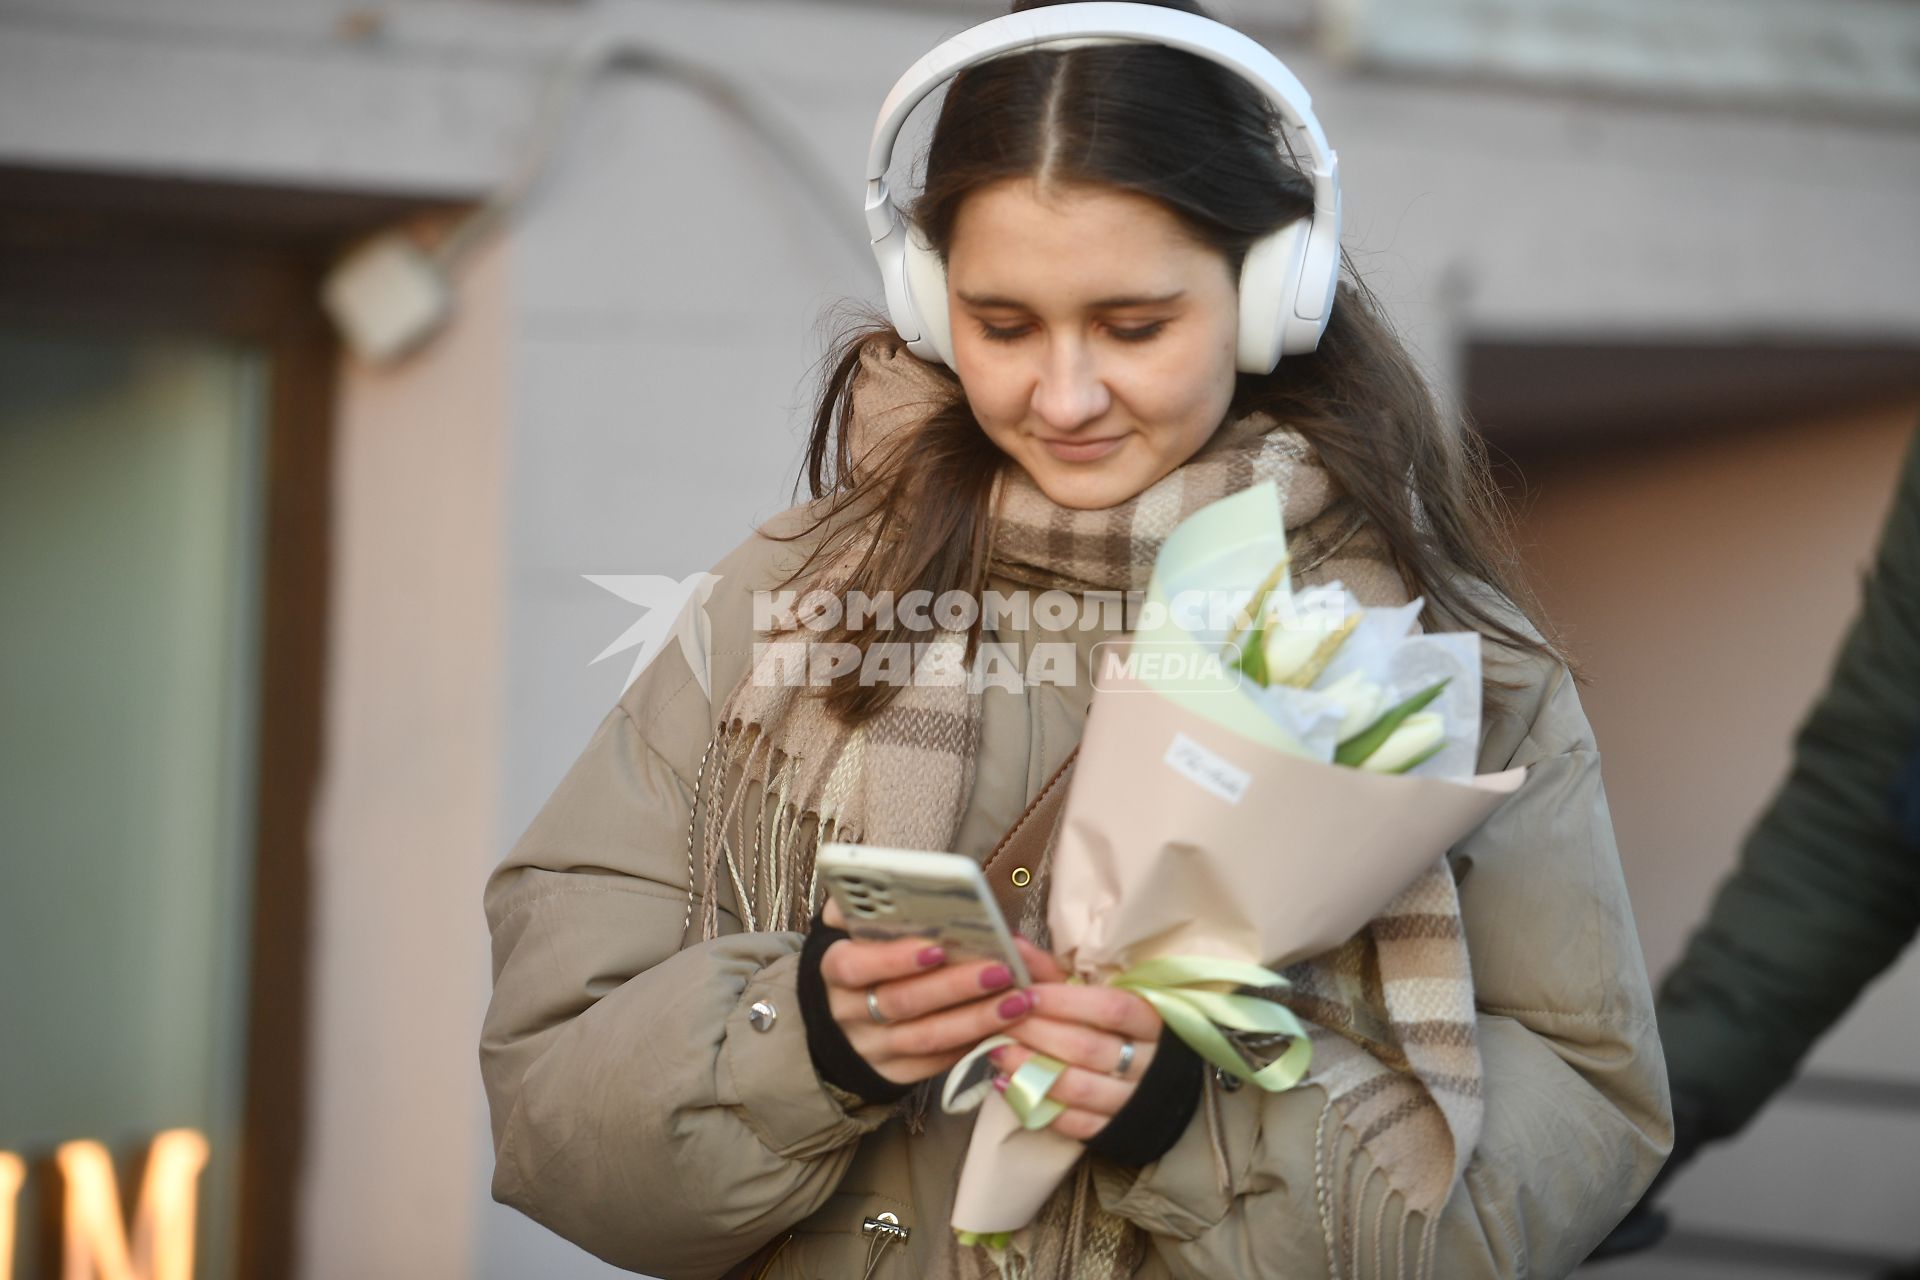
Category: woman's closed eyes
[1133,333]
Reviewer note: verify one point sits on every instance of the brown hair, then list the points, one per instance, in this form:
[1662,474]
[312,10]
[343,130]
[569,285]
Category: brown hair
[1206,145]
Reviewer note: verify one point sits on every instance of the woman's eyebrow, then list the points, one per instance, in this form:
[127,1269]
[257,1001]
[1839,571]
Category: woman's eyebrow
[1104,304]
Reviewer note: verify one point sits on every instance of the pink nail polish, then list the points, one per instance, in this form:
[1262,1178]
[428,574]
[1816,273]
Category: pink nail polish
[1000,1083]
[930,957]
[995,976]
[1015,1005]
[993,1055]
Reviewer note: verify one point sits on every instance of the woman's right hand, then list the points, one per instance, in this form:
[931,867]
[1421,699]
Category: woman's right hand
[935,1011]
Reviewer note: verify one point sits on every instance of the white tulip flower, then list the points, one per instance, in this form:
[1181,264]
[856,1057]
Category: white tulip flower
[1297,644]
[1360,700]
[1414,739]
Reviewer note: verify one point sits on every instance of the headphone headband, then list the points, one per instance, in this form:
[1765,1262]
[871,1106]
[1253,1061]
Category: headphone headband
[1107,22]
[1299,264]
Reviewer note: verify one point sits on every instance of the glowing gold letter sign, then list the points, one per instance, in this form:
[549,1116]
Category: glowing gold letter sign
[13,1172]
[94,1242]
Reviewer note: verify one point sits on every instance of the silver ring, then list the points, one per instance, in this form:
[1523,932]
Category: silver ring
[1126,1059]
[873,1008]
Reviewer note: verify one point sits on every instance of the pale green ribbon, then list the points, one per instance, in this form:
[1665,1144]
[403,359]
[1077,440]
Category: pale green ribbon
[1182,991]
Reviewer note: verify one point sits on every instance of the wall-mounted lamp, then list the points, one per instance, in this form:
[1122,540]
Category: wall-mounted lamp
[390,294]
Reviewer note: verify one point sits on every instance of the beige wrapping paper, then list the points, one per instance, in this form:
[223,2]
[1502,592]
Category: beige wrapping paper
[1182,837]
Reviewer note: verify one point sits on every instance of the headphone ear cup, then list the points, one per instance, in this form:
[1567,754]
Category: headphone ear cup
[927,288]
[1269,282]
[1313,293]
[889,254]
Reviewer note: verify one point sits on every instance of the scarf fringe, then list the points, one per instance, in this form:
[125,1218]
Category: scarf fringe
[1355,1250]
[760,841]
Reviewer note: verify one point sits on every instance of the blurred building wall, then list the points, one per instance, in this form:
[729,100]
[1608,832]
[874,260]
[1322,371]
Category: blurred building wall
[406,828]
[1705,586]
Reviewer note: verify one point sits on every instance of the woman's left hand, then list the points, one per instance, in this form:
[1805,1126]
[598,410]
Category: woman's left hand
[1085,1027]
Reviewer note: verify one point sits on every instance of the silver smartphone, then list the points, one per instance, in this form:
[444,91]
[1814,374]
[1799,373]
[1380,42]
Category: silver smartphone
[909,893]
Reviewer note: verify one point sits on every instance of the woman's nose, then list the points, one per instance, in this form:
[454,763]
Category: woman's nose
[1069,391]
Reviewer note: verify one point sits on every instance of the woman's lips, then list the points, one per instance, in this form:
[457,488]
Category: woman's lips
[1082,450]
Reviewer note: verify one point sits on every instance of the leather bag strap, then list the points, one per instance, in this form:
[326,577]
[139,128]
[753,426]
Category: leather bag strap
[1011,866]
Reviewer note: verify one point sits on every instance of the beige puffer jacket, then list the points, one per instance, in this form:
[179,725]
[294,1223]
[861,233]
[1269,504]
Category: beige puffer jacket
[640,1114]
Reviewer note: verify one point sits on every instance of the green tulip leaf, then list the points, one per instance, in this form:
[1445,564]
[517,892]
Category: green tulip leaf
[1251,656]
[1249,652]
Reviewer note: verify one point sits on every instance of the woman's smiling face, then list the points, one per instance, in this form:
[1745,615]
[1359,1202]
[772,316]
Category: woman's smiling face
[1094,336]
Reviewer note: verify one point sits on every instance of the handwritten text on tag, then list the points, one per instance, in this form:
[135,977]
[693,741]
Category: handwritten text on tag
[1207,769]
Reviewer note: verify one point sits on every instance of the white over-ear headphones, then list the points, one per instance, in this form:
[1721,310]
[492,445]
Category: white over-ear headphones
[1286,284]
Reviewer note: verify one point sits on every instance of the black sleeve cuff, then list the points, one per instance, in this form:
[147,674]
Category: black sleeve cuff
[1160,1109]
[833,1058]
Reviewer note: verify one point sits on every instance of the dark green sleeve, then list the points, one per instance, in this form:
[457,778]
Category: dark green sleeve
[1827,890]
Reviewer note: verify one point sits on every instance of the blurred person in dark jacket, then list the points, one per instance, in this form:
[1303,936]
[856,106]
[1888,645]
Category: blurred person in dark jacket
[1827,891]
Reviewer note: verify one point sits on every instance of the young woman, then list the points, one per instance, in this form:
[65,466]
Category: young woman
[693,1074]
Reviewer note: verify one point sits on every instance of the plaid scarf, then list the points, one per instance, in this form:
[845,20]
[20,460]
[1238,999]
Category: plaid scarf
[1393,1007]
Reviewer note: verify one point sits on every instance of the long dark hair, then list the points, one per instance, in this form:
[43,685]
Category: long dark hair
[1209,147]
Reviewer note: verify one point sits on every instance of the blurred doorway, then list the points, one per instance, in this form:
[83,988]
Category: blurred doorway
[164,478]
[129,529]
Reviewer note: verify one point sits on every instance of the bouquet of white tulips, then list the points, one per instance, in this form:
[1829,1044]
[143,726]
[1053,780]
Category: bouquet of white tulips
[1211,834]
